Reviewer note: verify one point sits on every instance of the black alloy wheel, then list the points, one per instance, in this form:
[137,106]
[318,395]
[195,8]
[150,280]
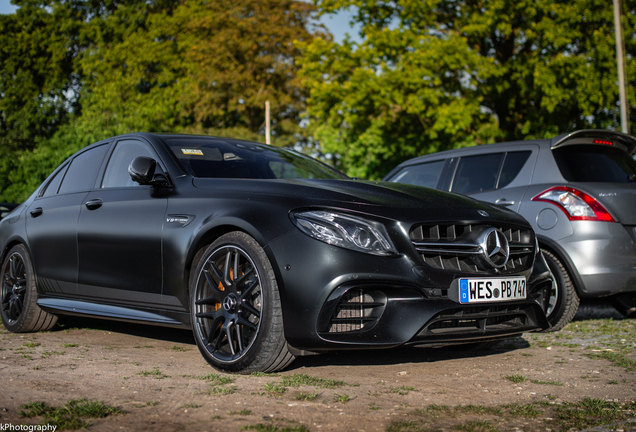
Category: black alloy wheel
[18,295]
[564,301]
[236,312]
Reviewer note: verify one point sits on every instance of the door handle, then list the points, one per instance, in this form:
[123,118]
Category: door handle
[505,202]
[94,204]
[36,212]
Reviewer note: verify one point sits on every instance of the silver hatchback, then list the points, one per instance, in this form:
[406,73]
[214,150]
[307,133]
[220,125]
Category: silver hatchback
[578,191]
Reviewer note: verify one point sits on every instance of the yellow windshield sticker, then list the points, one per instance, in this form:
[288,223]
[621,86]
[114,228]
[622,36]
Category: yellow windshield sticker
[192,152]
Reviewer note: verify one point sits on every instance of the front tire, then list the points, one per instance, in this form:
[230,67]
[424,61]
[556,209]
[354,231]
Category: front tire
[564,302]
[18,295]
[235,307]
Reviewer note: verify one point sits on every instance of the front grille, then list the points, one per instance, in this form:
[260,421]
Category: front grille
[476,320]
[356,311]
[453,247]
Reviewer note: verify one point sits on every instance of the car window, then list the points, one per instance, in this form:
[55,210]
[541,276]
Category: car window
[215,158]
[116,174]
[4,211]
[477,173]
[54,184]
[82,172]
[592,163]
[513,163]
[425,174]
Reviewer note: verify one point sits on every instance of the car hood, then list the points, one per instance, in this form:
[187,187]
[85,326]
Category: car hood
[386,199]
[618,198]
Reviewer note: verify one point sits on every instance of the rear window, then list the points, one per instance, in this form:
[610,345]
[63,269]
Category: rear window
[592,163]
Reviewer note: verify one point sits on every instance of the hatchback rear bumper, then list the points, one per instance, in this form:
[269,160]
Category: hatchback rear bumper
[602,257]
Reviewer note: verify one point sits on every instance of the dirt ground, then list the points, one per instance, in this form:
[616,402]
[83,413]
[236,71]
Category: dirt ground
[160,381]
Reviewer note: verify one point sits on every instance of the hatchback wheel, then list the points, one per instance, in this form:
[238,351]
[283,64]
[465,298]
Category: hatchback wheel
[235,307]
[18,294]
[625,303]
[564,302]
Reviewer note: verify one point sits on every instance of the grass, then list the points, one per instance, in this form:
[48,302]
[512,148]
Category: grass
[615,358]
[402,390]
[216,379]
[178,348]
[477,426]
[241,412]
[153,373]
[70,416]
[341,398]
[298,380]
[554,383]
[516,378]
[261,427]
[589,413]
[309,397]
[222,391]
[273,389]
[47,354]
[543,415]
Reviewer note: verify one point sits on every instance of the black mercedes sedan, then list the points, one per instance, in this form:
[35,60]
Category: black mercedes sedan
[265,253]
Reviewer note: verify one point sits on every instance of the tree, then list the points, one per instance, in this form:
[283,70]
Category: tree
[113,67]
[437,74]
[199,66]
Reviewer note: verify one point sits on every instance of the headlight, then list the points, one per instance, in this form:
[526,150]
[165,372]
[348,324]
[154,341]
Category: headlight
[346,231]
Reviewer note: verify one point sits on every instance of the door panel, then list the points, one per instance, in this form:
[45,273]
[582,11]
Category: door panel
[119,245]
[119,234]
[51,223]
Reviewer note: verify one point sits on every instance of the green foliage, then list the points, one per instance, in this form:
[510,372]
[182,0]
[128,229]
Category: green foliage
[74,72]
[430,75]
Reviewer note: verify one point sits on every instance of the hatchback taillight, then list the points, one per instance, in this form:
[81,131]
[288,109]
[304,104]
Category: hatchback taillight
[577,205]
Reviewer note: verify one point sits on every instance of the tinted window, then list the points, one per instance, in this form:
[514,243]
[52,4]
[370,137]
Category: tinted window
[214,158]
[426,174]
[477,173]
[82,173]
[513,163]
[54,184]
[590,163]
[116,174]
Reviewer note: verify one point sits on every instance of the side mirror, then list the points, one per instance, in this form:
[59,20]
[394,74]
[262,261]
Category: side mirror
[142,170]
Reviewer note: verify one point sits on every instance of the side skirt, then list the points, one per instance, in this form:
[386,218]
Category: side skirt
[60,306]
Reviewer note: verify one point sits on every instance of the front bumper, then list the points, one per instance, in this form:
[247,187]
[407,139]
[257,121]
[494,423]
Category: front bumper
[342,299]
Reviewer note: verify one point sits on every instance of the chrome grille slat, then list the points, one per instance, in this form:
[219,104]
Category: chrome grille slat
[444,246]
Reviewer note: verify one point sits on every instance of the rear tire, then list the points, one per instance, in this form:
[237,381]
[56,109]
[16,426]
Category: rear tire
[18,295]
[625,303]
[564,302]
[235,307]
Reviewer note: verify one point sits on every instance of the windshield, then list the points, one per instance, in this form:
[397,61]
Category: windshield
[592,163]
[219,158]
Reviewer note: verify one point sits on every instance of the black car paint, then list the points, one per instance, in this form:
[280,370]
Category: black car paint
[132,262]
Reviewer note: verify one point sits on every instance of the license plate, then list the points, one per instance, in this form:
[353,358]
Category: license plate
[476,290]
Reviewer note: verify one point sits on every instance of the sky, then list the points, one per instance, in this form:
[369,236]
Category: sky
[337,24]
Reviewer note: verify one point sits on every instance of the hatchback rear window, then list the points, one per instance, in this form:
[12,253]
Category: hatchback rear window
[592,163]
